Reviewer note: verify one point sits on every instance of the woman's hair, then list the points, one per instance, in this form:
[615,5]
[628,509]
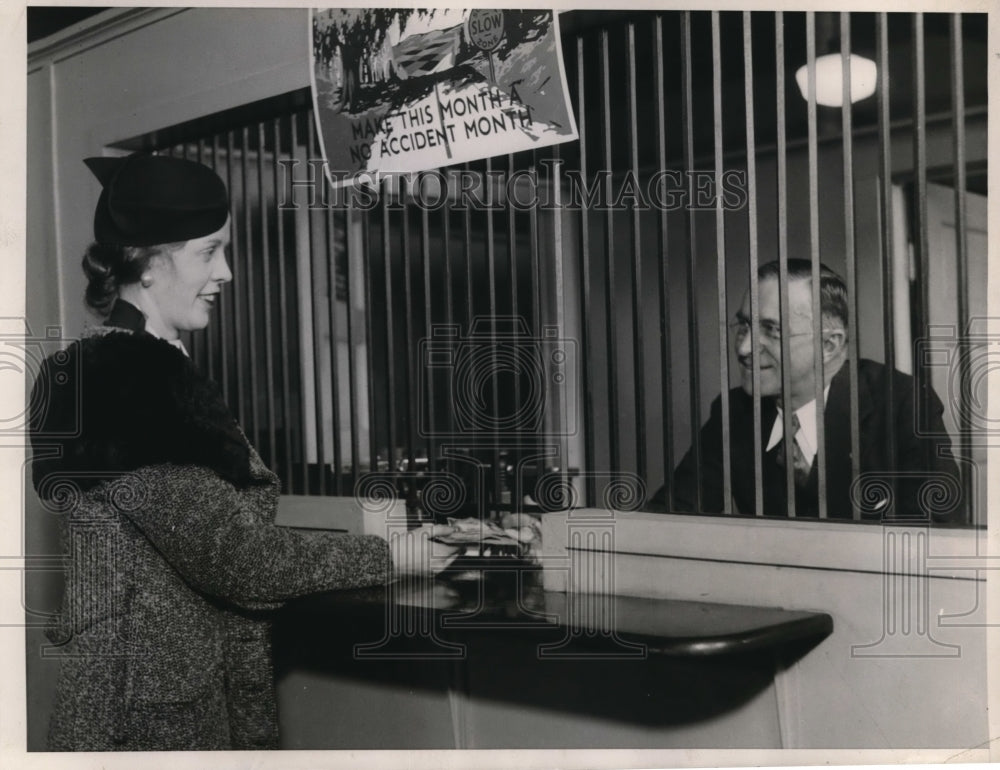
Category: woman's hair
[109,267]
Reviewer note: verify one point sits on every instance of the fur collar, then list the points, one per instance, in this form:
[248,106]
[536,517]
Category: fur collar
[125,400]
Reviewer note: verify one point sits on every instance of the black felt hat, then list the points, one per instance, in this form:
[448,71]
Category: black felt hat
[152,199]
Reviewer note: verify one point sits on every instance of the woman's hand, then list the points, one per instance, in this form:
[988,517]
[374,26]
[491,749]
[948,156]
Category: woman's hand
[414,553]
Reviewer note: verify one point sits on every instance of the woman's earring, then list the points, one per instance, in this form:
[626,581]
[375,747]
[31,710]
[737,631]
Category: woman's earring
[146,281]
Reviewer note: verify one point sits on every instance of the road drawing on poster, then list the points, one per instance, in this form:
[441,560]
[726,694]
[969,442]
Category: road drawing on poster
[405,90]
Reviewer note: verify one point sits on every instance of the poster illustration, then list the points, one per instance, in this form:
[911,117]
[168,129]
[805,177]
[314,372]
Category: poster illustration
[404,90]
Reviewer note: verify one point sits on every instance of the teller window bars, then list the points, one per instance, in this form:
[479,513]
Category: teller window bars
[341,343]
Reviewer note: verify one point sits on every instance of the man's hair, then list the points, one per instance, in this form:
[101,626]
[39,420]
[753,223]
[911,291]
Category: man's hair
[832,289]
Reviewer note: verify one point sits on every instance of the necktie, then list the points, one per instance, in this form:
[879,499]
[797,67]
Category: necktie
[801,465]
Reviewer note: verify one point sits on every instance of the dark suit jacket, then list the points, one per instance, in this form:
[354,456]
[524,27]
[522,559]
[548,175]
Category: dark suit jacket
[918,461]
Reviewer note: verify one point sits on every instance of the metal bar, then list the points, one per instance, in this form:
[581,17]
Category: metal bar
[411,378]
[609,263]
[512,254]
[637,314]
[390,333]
[559,291]
[694,386]
[316,286]
[467,233]
[304,417]
[663,285]
[469,318]
[817,315]
[267,300]
[849,253]
[240,256]
[331,291]
[366,259]
[961,241]
[494,378]
[754,283]
[425,258]
[449,304]
[467,244]
[352,389]
[283,328]
[248,263]
[536,292]
[786,354]
[720,265]
[587,332]
[515,492]
[885,212]
[922,375]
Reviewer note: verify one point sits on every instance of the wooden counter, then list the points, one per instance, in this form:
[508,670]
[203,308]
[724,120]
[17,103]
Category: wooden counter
[498,662]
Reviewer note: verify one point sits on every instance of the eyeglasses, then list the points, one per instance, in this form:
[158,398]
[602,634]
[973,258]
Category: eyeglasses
[769,330]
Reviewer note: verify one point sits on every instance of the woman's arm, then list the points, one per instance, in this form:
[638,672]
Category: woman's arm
[214,535]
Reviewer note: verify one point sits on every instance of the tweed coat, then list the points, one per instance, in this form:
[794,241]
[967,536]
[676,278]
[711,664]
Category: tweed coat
[174,557]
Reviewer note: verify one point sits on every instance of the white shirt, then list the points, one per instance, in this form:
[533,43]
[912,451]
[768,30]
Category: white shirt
[806,437]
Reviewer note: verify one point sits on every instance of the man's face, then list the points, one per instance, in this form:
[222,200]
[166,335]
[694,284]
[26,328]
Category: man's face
[768,347]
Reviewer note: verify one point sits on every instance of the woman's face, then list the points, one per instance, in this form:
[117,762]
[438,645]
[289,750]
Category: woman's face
[185,284]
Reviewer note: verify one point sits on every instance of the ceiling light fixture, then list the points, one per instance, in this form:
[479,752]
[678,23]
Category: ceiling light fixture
[830,79]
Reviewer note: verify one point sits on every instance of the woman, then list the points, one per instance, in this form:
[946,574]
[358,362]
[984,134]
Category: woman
[168,511]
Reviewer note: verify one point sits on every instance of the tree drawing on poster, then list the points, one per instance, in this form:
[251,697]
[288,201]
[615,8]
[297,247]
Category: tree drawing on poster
[399,90]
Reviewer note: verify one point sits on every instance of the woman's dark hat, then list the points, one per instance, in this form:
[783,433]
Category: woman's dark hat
[152,199]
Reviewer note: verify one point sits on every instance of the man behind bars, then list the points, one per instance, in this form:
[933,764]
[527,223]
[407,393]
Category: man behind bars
[926,482]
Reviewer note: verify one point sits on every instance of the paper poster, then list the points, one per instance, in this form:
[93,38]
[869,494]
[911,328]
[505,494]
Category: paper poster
[403,90]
